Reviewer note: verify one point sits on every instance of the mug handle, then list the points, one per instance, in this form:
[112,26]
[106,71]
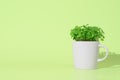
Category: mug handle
[106,49]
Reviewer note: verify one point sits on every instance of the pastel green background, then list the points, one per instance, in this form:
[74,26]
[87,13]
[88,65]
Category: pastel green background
[35,43]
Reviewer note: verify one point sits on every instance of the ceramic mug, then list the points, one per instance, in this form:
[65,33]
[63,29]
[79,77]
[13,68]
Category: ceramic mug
[85,54]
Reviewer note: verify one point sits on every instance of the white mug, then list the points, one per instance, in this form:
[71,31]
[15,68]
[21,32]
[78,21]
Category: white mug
[85,54]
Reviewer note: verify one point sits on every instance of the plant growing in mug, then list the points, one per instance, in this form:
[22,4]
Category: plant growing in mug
[86,46]
[87,33]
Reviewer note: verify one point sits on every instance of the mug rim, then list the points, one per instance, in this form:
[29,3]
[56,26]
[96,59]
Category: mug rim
[85,41]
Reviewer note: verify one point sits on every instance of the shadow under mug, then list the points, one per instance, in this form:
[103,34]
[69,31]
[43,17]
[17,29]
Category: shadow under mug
[85,54]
